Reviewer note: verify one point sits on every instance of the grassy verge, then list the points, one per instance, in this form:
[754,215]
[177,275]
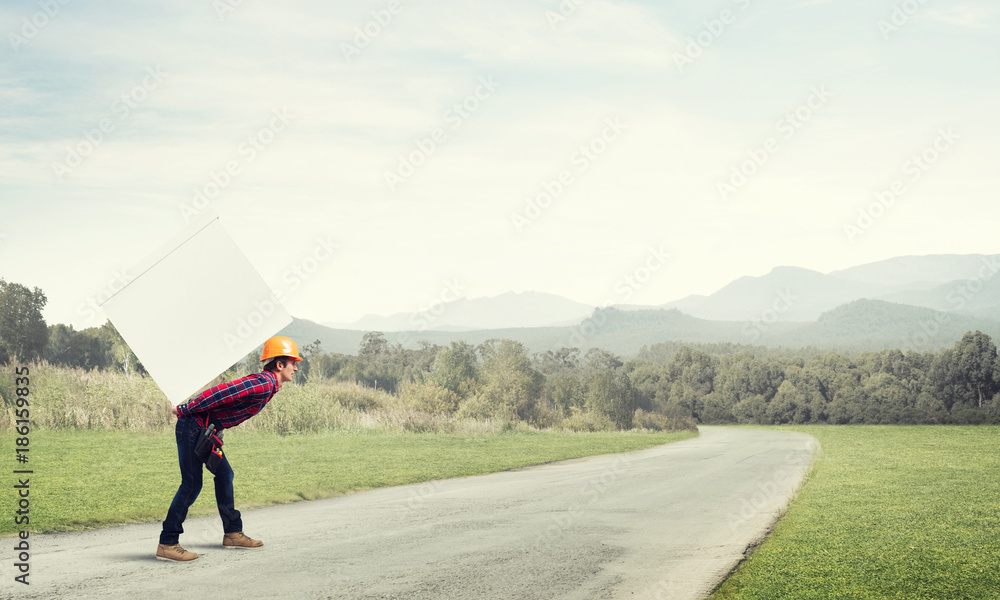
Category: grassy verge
[92,478]
[890,512]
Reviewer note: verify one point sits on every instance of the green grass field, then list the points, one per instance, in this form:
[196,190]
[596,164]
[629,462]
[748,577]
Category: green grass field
[889,512]
[91,478]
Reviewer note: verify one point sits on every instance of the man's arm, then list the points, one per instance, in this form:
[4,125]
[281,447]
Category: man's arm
[222,394]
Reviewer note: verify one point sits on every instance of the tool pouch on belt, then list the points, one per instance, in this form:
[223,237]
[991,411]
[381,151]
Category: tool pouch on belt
[208,448]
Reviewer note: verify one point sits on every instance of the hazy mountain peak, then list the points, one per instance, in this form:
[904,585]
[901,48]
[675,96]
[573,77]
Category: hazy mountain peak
[506,310]
[934,268]
[787,293]
[790,270]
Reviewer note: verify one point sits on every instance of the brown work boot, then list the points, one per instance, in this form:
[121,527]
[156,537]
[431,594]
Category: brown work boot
[174,552]
[239,540]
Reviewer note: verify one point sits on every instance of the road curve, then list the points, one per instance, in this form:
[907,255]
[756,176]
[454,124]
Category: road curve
[664,523]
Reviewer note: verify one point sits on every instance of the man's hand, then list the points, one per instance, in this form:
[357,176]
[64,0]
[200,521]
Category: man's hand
[173,410]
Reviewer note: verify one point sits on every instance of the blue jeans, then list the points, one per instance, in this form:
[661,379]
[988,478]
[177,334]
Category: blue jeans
[191,471]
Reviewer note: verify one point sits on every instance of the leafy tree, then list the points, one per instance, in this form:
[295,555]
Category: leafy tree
[965,376]
[457,369]
[651,384]
[930,409]
[333,365]
[376,366]
[610,393]
[308,353]
[832,374]
[314,348]
[23,333]
[511,386]
[118,354]
[887,400]
[563,361]
[975,369]
[692,373]
[564,379]
[715,409]
[566,392]
[752,409]
[374,347]
[423,358]
[812,408]
[71,348]
[601,360]
[848,407]
[789,405]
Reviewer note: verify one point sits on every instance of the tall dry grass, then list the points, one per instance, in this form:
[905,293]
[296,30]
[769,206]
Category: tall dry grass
[63,398]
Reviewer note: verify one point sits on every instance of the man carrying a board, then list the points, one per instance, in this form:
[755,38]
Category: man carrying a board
[225,405]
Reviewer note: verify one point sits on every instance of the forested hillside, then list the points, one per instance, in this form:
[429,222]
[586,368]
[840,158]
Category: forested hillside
[858,326]
[662,384]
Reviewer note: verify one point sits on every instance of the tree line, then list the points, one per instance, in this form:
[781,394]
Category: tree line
[713,384]
[24,336]
[664,386]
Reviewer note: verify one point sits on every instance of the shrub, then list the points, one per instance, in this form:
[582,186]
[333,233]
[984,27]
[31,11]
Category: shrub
[429,397]
[679,419]
[483,407]
[674,419]
[587,421]
[650,420]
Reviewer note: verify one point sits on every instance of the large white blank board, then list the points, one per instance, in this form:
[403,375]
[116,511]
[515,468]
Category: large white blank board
[194,308]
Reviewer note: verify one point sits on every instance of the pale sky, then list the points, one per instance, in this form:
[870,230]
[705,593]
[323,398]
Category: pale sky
[733,136]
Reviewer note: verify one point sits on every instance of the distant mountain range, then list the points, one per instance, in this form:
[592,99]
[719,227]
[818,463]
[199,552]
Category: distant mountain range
[856,326]
[526,309]
[911,302]
[941,282]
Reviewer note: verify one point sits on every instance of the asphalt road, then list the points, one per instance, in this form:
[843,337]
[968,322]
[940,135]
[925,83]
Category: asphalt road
[666,523]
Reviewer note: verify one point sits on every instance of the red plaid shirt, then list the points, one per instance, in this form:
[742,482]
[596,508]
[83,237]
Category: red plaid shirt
[233,402]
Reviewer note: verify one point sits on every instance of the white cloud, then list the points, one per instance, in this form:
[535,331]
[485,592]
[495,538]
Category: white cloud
[972,16]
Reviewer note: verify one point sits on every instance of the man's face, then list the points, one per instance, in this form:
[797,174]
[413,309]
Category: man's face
[287,372]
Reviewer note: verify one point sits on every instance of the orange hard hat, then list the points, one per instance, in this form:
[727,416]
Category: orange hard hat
[280,345]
